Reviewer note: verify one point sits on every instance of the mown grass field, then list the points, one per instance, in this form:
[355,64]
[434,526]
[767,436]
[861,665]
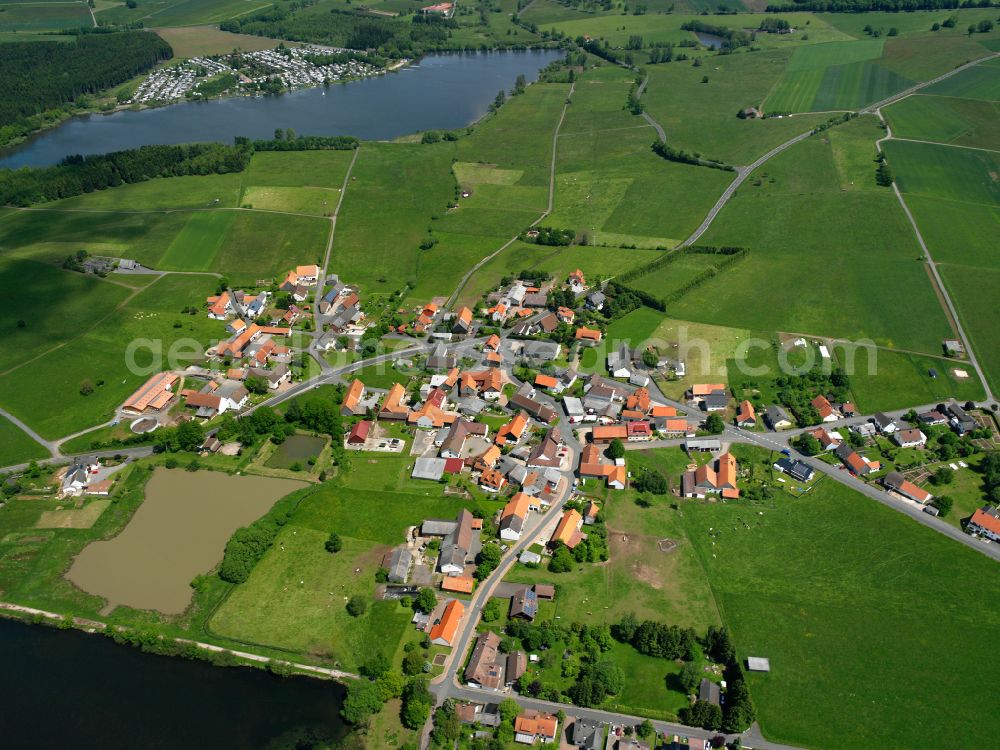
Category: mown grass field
[979,82]
[15,445]
[832,76]
[201,191]
[669,278]
[44,16]
[962,233]
[896,380]
[947,119]
[857,623]
[830,267]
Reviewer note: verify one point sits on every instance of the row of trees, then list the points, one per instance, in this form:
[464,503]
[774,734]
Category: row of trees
[862,6]
[37,77]
[76,175]
[660,148]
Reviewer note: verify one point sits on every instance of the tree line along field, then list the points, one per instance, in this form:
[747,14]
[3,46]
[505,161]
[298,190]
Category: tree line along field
[824,239]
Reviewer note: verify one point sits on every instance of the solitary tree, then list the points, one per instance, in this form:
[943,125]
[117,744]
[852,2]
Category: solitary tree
[333,543]
[356,606]
[714,424]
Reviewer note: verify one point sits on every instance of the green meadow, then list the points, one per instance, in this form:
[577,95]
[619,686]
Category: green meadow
[979,82]
[857,608]
[823,239]
[973,291]
[179,12]
[701,117]
[956,174]
[53,304]
[15,445]
[195,246]
[44,16]
[962,233]
[947,119]
[45,391]
[386,213]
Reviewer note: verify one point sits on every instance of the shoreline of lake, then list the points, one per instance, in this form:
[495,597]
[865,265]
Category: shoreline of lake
[437,92]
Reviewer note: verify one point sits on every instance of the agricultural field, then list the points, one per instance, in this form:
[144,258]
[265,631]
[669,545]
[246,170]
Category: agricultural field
[701,117]
[52,303]
[45,391]
[956,174]
[896,380]
[974,292]
[610,186]
[856,632]
[979,82]
[158,13]
[829,178]
[947,119]
[15,445]
[43,16]
[199,41]
[386,214]
[834,76]
[906,24]
[669,278]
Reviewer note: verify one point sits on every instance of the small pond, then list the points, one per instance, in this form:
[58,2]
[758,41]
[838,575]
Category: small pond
[297,449]
[179,532]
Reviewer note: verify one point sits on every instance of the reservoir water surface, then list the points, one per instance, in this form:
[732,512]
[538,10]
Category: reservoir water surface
[440,92]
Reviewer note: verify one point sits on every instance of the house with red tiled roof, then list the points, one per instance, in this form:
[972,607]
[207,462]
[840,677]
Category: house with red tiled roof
[444,630]
[463,321]
[565,315]
[394,405]
[531,727]
[492,344]
[709,479]
[512,432]
[985,522]
[825,409]
[221,306]
[568,530]
[351,405]
[746,415]
[588,336]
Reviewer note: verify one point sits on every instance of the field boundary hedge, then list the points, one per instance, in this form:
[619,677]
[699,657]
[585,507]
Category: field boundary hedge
[733,255]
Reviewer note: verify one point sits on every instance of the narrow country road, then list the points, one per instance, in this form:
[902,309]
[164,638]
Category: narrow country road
[51,446]
[552,194]
[938,282]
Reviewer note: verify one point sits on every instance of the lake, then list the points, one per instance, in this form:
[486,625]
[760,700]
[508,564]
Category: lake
[68,689]
[441,92]
[179,532]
